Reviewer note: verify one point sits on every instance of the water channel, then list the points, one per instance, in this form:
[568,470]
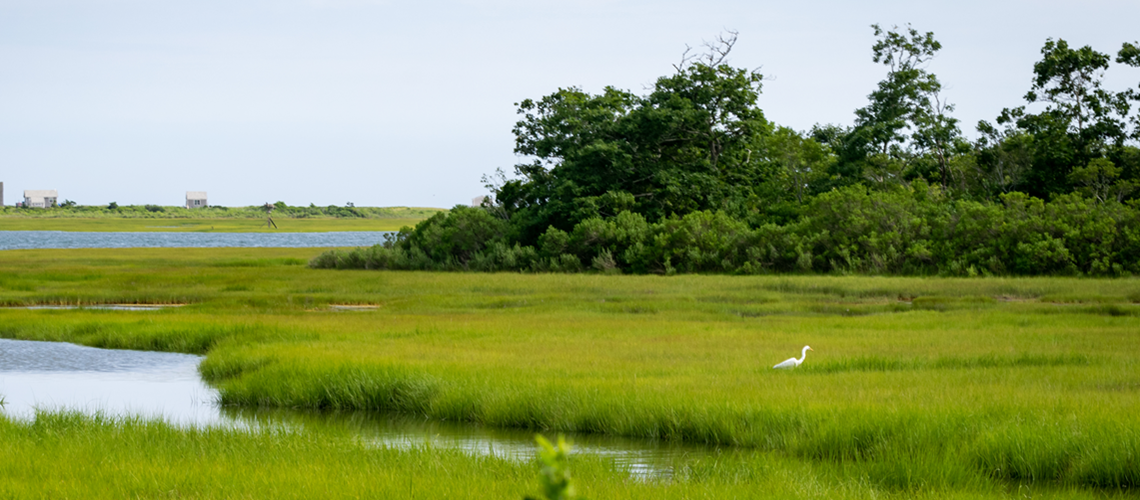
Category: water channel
[18,240]
[54,376]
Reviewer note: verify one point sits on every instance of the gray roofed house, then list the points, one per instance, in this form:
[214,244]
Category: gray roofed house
[40,198]
[195,199]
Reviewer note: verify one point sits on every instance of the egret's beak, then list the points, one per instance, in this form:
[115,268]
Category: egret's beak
[810,349]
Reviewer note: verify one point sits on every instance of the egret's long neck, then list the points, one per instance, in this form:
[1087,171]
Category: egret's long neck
[803,354]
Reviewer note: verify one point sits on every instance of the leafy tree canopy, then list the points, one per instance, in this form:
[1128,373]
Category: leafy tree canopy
[906,130]
[695,142]
[691,177]
[1081,121]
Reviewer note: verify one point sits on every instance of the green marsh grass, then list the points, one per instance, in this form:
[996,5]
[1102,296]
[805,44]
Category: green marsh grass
[71,455]
[914,385]
[67,455]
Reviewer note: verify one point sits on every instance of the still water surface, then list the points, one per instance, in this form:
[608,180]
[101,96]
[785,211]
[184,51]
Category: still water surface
[53,375]
[15,240]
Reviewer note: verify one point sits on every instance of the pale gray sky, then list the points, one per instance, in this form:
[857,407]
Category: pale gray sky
[387,103]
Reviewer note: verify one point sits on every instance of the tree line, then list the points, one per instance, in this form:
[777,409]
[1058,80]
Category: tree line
[691,177]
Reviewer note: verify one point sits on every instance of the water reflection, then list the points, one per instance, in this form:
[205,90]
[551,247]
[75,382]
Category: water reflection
[641,457]
[54,375]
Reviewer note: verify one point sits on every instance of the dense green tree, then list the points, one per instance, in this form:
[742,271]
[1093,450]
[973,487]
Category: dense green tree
[1100,180]
[690,177]
[888,116]
[801,165]
[849,148]
[1081,121]
[1130,54]
[581,154]
[1002,160]
[906,118]
[1069,81]
[693,143]
[937,135]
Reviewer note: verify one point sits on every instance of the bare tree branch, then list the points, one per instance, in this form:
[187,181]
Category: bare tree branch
[719,49]
[716,51]
[686,57]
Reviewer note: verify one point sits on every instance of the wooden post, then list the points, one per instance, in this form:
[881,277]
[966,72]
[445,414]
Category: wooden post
[269,216]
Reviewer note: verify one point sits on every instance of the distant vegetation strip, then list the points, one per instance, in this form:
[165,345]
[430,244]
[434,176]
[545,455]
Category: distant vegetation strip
[280,210]
[220,225]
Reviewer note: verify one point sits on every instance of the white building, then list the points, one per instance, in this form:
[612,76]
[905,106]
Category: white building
[40,198]
[195,199]
[478,201]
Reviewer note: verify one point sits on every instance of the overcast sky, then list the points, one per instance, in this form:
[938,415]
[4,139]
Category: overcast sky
[386,103]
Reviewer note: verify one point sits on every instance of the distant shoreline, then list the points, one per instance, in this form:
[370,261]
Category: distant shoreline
[214,224]
[280,210]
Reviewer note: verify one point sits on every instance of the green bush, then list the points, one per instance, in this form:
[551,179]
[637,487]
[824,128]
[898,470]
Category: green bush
[912,231]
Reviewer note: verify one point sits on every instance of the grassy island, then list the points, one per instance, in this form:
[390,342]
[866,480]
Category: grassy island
[152,218]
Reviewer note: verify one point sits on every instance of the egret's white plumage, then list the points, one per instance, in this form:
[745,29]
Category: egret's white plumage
[793,362]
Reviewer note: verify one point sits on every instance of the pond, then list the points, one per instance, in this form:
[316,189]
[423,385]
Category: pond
[53,375]
[17,240]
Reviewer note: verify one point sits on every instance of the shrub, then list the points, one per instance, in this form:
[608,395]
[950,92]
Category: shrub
[915,230]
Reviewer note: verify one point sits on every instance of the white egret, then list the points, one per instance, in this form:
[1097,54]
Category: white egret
[793,362]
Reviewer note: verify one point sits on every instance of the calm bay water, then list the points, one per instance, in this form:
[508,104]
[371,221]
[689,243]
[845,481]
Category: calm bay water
[54,375]
[14,240]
